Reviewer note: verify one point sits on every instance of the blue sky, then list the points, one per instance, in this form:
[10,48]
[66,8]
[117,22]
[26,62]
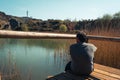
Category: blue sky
[60,9]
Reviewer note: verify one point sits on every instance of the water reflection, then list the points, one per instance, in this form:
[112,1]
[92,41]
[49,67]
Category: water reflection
[35,59]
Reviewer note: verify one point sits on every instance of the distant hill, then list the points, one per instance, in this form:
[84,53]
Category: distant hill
[3,16]
[5,20]
[107,25]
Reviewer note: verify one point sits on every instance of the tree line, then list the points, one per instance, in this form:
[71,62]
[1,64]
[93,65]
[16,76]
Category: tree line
[108,23]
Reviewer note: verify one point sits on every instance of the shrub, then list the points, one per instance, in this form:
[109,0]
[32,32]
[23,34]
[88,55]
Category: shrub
[63,28]
[24,27]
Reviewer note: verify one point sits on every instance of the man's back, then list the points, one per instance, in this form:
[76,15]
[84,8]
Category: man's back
[82,55]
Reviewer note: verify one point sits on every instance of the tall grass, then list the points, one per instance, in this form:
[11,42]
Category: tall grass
[108,53]
[8,70]
[104,32]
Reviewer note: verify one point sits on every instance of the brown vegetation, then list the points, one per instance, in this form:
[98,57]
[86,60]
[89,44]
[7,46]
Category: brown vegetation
[106,26]
[108,53]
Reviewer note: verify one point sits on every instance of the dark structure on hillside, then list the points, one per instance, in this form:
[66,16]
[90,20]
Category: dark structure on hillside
[14,24]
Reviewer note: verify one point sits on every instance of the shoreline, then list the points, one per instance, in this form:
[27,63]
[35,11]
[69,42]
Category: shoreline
[48,35]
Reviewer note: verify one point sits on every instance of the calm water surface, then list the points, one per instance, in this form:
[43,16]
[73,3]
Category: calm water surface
[37,59]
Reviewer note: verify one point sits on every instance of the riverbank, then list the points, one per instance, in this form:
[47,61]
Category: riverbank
[43,35]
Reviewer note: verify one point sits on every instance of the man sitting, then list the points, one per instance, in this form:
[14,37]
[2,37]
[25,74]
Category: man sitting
[82,55]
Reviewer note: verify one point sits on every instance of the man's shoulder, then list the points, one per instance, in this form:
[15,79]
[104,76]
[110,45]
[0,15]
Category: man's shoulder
[73,45]
[90,45]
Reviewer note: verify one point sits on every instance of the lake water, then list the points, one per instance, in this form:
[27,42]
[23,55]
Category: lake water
[37,59]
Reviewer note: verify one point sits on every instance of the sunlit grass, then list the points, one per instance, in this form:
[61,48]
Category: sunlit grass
[105,32]
[108,53]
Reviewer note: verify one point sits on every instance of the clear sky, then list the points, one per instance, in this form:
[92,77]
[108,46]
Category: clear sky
[60,9]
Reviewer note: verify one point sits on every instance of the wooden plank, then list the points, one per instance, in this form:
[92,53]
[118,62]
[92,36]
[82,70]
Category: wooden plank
[94,76]
[107,69]
[68,76]
[100,73]
[107,73]
[102,76]
[40,35]
[0,77]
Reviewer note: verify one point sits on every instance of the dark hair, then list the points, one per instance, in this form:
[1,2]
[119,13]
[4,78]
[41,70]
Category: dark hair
[82,37]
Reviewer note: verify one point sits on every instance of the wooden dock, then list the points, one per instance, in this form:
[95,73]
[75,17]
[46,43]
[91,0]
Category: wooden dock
[100,73]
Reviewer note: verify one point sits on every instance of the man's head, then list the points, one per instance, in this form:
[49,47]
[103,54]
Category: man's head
[81,37]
